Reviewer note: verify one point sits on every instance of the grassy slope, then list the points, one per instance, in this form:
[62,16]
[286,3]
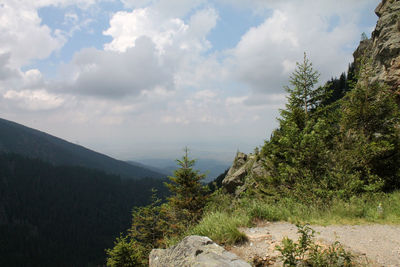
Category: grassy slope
[221,221]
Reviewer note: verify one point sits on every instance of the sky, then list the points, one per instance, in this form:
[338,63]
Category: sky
[138,79]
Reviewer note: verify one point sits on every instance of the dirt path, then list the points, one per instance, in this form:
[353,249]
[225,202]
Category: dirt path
[374,245]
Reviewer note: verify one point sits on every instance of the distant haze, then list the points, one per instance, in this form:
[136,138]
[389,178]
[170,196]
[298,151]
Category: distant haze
[143,79]
[212,168]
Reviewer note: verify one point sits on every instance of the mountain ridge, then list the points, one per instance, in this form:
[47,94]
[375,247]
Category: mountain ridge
[23,140]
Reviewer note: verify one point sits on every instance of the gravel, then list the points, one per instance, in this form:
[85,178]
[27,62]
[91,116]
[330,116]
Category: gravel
[374,245]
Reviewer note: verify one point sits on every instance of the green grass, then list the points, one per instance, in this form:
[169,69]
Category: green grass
[222,227]
[357,210]
[224,215]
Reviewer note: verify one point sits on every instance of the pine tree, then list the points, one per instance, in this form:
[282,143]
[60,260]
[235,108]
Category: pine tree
[146,223]
[303,98]
[188,194]
[147,232]
[126,252]
[297,152]
[370,141]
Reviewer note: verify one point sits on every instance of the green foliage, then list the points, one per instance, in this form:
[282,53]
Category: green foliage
[302,97]
[188,195]
[335,255]
[344,141]
[126,254]
[370,136]
[147,231]
[147,224]
[222,227]
[306,253]
[157,225]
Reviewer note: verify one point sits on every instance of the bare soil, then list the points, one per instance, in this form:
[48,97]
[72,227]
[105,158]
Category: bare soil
[372,245]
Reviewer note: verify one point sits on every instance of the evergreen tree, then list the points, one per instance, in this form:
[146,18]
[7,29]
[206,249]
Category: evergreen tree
[146,223]
[126,253]
[369,147]
[303,98]
[296,153]
[147,232]
[188,194]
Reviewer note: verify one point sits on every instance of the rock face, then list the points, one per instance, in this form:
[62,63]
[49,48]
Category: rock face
[383,49]
[195,251]
[243,166]
[236,174]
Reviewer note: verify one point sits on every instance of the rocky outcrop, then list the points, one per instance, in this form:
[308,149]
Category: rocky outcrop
[195,251]
[383,49]
[236,174]
[242,167]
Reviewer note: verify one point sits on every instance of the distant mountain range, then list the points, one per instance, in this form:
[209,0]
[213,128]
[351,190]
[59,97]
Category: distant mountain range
[212,168]
[19,139]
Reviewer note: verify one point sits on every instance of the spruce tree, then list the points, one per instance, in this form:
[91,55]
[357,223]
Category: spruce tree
[303,97]
[296,153]
[188,194]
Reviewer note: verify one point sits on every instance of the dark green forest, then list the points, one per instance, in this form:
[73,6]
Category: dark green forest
[63,215]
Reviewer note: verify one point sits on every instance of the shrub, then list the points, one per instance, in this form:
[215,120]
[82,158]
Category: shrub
[126,253]
[306,253]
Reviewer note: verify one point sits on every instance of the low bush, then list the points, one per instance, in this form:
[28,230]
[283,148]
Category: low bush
[305,252]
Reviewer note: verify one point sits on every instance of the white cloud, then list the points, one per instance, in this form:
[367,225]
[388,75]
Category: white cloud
[34,100]
[231,101]
[166,32]
[115,75]
[266,54]
[6,72]
[127,27]
[23,36]
[205,94]
[288,66]
[166,8]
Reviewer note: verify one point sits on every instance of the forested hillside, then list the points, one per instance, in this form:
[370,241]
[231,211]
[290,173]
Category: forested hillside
[63,215]
[16,138]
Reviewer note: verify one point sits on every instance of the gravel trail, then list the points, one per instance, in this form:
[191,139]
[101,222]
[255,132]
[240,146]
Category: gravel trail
[374,245]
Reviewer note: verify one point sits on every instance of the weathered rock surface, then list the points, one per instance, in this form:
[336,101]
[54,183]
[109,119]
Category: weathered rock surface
[242,167]
[258,169]
[235,180]
[195,251]
[383,49]
[236,174]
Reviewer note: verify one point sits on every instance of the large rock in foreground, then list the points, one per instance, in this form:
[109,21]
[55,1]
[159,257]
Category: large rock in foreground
[195,251]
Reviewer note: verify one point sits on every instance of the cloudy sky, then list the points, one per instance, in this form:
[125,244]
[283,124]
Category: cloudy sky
[144,78]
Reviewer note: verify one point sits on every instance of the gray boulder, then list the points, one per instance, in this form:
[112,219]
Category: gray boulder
[243,166]
[195,251]
[258,169]
[236,174]
[238,162]
[235,180]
